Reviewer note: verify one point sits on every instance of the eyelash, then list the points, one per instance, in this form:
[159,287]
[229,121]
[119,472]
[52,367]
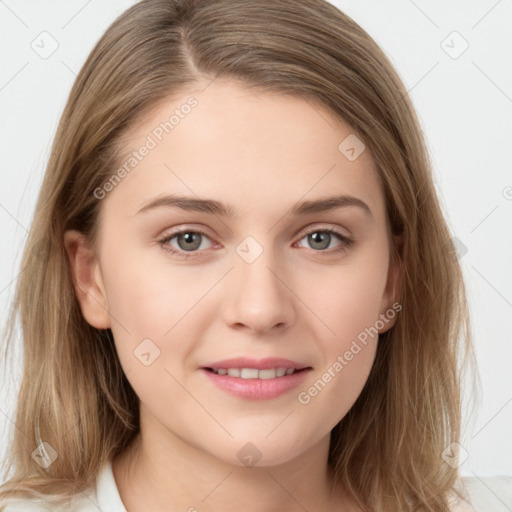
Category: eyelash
[347,242]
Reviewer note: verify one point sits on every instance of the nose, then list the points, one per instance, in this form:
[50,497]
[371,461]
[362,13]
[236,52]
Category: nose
[257,296]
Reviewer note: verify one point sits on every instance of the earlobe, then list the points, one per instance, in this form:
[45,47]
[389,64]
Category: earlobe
[87,279]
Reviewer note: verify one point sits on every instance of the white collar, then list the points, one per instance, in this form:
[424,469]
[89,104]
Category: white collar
[107,494]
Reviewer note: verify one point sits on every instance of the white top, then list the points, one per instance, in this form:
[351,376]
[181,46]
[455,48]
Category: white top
[486,494]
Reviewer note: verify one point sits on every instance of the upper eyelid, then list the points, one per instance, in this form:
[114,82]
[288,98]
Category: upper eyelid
[168,236]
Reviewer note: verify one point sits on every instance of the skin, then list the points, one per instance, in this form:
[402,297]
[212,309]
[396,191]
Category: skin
[260,153]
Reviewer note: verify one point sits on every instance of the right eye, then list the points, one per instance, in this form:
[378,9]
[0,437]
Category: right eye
[188,240]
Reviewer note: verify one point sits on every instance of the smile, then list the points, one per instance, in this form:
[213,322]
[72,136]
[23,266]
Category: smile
[254,383]
[254,373]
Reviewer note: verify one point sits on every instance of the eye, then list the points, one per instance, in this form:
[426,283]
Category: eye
[188,241]
[321,239]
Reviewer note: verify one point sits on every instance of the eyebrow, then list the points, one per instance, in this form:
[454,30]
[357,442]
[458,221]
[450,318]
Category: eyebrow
[217,208]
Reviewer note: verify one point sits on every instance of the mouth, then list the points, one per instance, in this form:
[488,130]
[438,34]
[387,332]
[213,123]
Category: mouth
[257,373]
[256,383]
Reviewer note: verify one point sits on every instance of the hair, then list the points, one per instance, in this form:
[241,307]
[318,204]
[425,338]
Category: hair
[387,450]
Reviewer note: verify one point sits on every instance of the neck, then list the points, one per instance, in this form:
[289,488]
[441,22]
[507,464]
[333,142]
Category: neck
[161,473]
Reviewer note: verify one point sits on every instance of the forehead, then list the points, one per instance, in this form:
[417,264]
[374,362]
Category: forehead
[246,148]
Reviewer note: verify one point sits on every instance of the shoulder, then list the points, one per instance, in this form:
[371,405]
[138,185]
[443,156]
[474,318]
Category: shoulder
[103,496]
[30,505]
[483,494]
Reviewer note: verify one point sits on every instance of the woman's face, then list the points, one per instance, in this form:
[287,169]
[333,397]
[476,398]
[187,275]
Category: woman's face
[263,278]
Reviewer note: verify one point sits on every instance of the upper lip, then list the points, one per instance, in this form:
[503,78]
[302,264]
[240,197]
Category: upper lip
[262,364]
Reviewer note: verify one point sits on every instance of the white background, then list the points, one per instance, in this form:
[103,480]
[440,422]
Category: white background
[465,107]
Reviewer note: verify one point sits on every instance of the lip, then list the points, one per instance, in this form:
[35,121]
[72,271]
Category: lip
[261,364]
[256,389]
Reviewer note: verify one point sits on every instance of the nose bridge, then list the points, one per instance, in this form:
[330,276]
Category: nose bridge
[258,298]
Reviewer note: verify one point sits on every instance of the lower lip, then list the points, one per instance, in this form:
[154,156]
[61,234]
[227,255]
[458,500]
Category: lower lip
[257,389]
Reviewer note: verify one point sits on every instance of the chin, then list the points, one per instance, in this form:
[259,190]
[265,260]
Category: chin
[260,452]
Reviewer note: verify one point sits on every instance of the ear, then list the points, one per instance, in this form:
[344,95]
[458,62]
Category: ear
[87,279]
[393,285]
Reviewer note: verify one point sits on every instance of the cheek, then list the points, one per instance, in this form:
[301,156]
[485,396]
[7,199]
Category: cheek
[148,298]
[138,305]
[327,397]
[347,339]
[346,308]
[348,299]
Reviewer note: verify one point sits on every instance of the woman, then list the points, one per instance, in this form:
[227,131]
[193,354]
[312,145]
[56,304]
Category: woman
[256,366]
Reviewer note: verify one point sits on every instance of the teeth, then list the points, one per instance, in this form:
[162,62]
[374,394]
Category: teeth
[266,374]
[249,373]
[254,373]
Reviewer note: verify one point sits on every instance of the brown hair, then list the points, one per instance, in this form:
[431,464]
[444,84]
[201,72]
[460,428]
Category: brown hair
[74,395]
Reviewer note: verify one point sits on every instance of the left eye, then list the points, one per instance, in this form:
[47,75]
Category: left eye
[319,237]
